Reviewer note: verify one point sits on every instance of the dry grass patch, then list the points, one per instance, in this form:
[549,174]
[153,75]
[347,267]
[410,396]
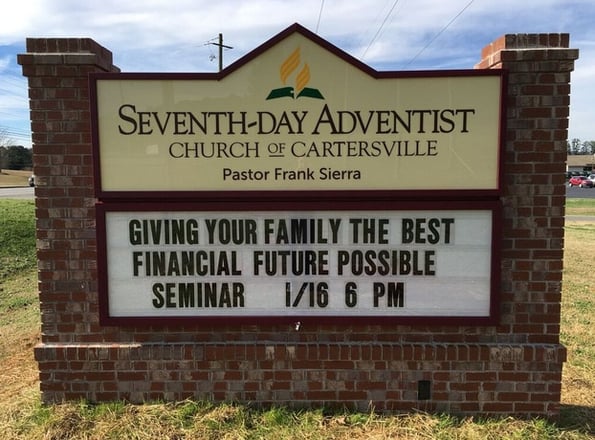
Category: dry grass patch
[14,178]
[190,420]
[578,327]
[19,333]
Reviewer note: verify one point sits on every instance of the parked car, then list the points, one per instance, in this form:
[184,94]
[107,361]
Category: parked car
[32,180]
[580,181]
[591,177]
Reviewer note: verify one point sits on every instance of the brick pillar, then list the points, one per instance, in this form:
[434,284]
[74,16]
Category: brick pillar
[57,71]
[534,193]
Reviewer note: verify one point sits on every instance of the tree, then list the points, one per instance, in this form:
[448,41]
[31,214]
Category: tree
[3,157]
[574,146]
[4,140]
[588,147]
[15,157]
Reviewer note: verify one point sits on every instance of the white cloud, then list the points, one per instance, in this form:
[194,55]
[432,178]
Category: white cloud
[4,63]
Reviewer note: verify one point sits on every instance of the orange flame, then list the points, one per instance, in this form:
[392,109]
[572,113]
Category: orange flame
[289,65]
[302,79]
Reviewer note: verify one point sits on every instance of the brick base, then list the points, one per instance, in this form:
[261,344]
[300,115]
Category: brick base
[464,379]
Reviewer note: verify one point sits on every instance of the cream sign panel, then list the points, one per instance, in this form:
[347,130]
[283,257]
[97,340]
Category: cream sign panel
[298,117]
[417,263]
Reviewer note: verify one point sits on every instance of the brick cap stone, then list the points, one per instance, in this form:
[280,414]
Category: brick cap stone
[67,51]
[557,46]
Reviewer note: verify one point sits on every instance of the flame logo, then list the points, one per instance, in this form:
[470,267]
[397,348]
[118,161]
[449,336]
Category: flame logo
[302,78]
[289,65]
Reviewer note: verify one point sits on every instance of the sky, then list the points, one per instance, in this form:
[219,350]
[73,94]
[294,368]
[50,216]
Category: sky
[177,36]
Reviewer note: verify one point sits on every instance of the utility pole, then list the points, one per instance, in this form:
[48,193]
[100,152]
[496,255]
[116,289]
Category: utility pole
[221,46]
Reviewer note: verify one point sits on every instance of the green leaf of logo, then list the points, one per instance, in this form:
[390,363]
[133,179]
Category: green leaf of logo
[310,93]
[281,93]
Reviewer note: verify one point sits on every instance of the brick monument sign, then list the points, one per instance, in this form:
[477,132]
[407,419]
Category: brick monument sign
[302,230]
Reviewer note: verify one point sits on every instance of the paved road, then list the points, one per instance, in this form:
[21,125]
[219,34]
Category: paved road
[17,193]
[580,193]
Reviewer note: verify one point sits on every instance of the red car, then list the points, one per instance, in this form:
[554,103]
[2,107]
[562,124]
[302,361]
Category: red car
[580,181]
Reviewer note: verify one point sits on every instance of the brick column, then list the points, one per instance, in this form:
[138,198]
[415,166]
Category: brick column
[539,67]
[537,100]
[57,71]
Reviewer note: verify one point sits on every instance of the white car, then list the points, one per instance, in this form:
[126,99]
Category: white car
[591,177]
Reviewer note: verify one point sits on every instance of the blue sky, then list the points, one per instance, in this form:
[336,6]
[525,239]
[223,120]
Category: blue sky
[173,36]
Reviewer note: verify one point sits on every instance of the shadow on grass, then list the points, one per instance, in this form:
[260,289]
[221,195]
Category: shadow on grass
[579,418]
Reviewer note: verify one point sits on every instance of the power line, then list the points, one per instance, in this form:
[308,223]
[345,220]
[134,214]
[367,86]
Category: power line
[319,15]
[12,131]
[219,43]
[439,33]
[380,28]
[14,79]
[19,134]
